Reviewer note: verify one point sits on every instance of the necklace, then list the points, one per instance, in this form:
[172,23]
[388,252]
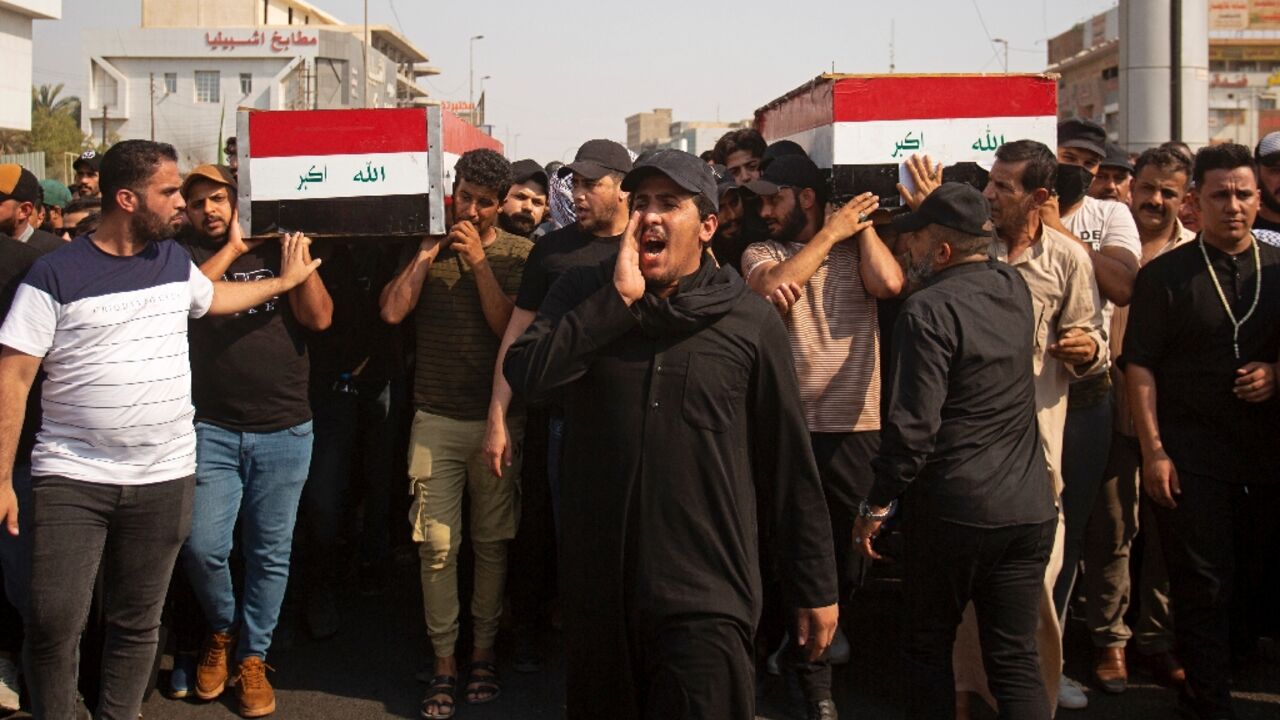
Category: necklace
[1222,297]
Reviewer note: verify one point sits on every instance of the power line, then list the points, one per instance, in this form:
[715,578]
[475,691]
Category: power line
[983,22]
[396,15]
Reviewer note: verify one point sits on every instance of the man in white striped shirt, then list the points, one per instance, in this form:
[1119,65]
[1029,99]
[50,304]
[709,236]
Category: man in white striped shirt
[113,467]
[825,277]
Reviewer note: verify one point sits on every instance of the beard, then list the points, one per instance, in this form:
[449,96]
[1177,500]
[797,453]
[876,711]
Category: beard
[147,226]
[1269,199]
[521,223]
[790,228]
[918,271]
[598,219]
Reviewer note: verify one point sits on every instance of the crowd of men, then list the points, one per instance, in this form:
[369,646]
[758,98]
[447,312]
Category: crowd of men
[695,390]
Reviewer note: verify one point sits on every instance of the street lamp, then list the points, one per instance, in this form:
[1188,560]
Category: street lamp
[471,74]
[1004,42]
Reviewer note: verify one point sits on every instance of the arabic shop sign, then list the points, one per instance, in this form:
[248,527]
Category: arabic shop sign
[274,41]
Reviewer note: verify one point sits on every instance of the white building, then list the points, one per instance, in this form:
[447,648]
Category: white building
[16,17]
[181,76]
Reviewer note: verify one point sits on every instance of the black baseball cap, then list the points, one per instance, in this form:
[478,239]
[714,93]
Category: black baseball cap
[19,183]
[523,171]
[780,148]
[794,171]
[959,206]
[1083,134]
[1116,157]
[88,158]
[688,171]
[597,158]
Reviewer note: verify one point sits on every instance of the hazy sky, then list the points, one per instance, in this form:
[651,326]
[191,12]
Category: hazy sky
[570,70]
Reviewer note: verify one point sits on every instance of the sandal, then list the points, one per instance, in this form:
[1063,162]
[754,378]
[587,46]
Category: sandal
[441,698]
[482,688]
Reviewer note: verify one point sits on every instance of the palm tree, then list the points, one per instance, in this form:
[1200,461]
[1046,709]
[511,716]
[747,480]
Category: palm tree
[46,98]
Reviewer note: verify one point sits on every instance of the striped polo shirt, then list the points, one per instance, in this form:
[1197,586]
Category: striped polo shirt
[835,339]
[113,334]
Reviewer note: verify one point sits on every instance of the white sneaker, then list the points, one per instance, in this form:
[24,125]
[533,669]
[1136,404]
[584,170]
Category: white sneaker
[9,698]
[1071,694]
[771,665]
[839,651]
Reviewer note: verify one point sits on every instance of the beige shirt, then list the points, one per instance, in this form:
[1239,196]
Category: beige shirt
[835,338]
[1064,295]
[1119,321]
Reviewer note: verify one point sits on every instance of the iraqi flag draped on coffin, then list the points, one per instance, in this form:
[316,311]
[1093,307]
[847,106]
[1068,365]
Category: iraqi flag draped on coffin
[864,127]
[341,173]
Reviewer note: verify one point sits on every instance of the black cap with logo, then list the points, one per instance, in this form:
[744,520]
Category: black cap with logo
[89,159]
[958,206]
[597,158]
[688,171]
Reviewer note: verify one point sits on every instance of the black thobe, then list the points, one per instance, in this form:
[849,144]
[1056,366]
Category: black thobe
[680,413]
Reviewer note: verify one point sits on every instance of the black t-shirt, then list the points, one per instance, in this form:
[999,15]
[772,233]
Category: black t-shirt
[16,258]
[249,370]
[357,341]
[556,253]
[1261,223]
[1180,331]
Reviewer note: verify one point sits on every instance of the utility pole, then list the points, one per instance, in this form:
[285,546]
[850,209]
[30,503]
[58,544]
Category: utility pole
[104,124]
[471,75]
[364,81]
[892,36]
[153,107]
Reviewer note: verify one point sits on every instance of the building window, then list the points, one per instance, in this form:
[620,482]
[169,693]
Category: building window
[170,83]
[207,82]
[246,83]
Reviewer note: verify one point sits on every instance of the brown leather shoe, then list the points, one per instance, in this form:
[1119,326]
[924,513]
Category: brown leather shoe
[1109,670]
[1166,668]
[214,666]
[255,693]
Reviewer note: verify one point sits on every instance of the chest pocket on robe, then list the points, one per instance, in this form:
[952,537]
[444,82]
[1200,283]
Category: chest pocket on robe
[713,391]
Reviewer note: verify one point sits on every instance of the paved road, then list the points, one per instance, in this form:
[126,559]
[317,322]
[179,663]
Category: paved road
[368,670]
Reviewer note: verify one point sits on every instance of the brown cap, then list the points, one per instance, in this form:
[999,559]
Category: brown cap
[18,183]
[220,174]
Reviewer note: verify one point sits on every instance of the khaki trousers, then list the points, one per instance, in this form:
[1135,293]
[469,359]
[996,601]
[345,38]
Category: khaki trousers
[445,461]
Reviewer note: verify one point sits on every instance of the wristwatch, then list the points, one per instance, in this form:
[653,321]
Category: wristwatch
[864,511]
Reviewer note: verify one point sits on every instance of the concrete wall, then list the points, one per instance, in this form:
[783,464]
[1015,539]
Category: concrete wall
[35,9]
[222,13]
[200,13]
[15,81]
[330,68]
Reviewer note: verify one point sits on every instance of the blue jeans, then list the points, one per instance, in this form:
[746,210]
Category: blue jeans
[258,478]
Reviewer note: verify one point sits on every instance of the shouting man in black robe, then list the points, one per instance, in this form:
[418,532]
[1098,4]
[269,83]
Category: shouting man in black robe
[679,388]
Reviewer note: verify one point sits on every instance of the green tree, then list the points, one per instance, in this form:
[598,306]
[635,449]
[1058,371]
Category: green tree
[56,133]
[46,97]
